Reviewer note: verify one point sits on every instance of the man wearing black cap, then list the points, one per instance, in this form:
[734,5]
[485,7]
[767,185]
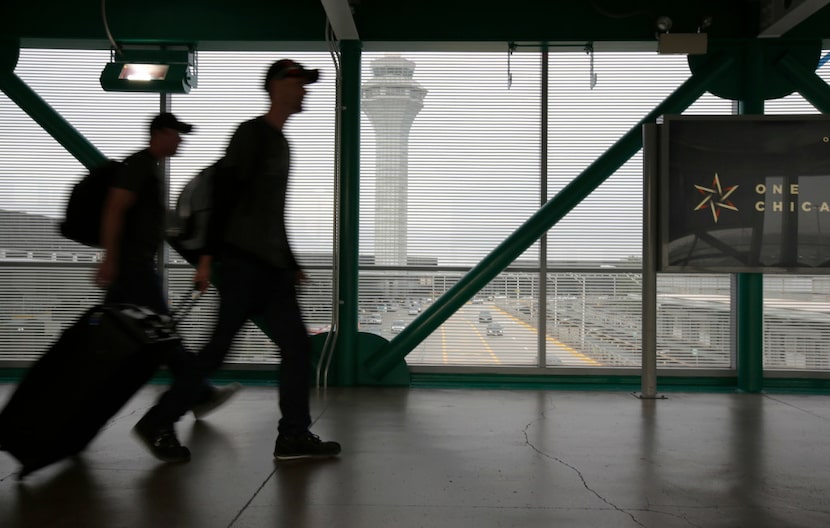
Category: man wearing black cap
[132,232]
[259,273]
[134,215]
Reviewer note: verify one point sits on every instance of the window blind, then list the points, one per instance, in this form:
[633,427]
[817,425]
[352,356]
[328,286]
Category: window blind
[440,190]
[48,278]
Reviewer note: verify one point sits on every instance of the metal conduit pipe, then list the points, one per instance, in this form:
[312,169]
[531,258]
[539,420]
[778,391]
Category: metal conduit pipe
[327,353]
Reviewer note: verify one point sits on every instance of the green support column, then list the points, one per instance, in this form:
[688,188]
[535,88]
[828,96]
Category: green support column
[344,363]
[749,287]
[50,120]
[749,298]
[382,360]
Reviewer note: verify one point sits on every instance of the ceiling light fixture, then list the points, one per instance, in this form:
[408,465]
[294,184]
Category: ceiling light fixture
[165,70]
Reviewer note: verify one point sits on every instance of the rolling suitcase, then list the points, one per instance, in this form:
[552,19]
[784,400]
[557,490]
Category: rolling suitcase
[93,369]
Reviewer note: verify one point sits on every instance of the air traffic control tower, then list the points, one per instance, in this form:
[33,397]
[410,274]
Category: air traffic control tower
[391,100]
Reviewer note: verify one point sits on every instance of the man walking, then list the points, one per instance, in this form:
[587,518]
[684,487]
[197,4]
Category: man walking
[132,232]
[259,273]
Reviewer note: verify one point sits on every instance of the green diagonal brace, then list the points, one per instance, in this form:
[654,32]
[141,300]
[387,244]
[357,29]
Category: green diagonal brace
[50,120]
[386,357]
[807,83]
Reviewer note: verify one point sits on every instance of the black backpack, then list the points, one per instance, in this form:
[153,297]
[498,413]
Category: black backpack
[187,229]
[189,222]
[82,221]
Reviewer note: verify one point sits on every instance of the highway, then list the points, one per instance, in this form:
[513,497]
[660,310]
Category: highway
[463,341]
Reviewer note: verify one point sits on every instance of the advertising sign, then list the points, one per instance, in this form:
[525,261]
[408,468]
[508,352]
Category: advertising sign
[745,194]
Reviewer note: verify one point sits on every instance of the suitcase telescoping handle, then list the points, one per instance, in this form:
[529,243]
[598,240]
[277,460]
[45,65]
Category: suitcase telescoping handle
[185,305]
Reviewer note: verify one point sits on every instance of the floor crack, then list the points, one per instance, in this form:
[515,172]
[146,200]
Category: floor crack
[245,506]
[788,404]
[675,515]
[580,475]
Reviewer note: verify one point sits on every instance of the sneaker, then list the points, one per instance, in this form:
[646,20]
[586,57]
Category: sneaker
[219,396]
[305,445]
[162,443]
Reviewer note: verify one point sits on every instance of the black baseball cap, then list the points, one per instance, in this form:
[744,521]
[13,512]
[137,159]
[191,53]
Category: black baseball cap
[288,68]
[168,120]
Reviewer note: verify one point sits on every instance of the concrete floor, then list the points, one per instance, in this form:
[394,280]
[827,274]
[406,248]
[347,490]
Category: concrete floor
[455,458]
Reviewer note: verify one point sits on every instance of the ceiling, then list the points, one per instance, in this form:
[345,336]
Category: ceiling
[246,24]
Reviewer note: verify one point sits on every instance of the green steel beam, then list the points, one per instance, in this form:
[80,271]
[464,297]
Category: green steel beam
[749,287]
[344,363]
[807,82]
[52,122]
[384,359]
[251,23]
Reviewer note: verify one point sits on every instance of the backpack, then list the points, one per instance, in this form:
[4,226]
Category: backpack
[82,220]
[187,230]
[188,223]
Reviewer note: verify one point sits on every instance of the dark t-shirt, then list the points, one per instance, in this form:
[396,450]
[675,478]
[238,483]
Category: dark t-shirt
[257,164]
[143,230]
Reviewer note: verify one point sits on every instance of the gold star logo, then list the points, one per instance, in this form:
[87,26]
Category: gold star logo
[716,198]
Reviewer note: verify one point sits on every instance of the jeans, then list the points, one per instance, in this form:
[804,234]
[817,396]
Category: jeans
[251,288]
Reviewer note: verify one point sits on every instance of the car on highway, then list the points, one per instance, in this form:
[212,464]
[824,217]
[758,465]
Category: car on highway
[485,317]
[397,326]
[494,329]
[370,318]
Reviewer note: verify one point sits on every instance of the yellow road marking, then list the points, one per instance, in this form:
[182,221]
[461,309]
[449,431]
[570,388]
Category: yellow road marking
[486,344]
[576,353]
[579,355]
